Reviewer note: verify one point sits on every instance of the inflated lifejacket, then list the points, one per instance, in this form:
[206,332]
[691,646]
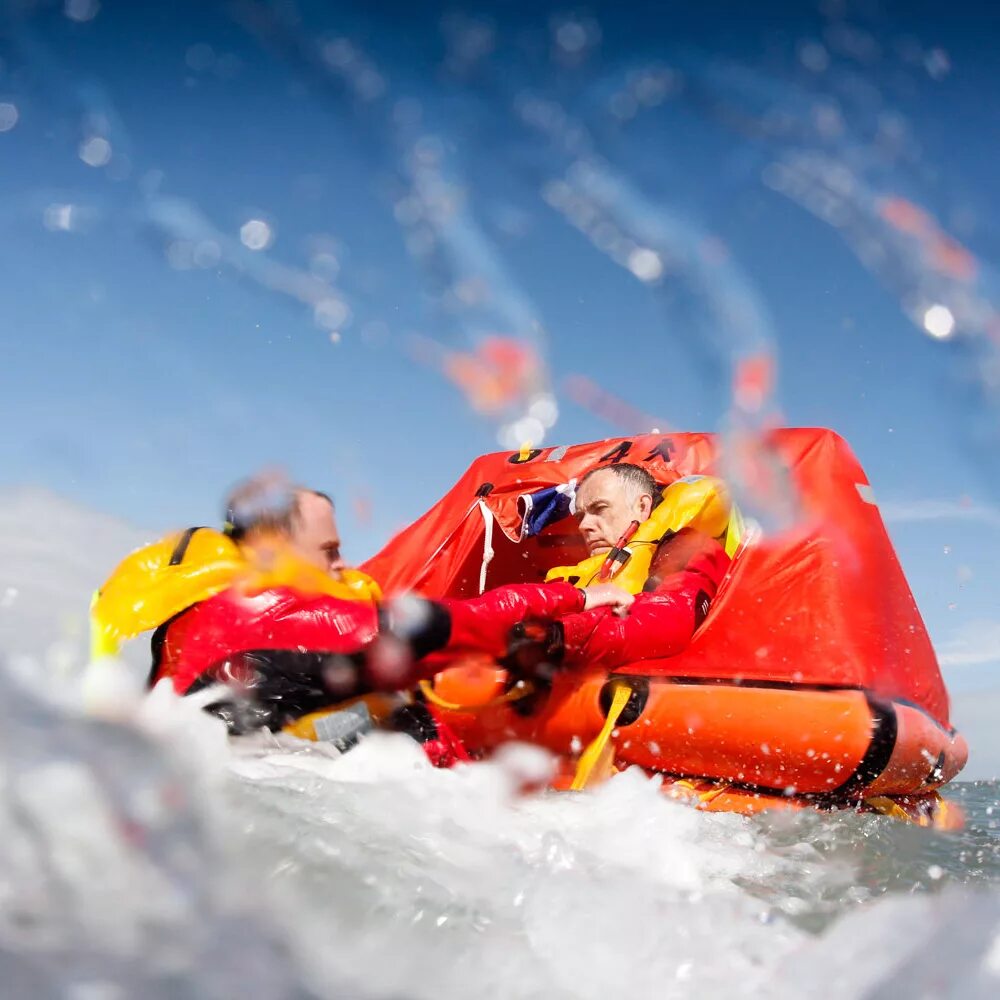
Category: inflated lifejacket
[698,502]
[157,582]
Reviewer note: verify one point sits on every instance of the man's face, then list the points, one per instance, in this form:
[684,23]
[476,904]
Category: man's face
[314,534]
[605,507]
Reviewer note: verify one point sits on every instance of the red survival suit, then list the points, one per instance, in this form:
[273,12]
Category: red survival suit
[289,653]
[293,654]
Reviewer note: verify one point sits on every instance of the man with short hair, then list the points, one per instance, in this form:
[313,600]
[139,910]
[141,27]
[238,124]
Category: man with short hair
[685,571]
[305,517]
[293,602]
[608,499]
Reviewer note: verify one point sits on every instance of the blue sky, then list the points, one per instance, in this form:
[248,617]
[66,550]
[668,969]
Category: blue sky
[150,358]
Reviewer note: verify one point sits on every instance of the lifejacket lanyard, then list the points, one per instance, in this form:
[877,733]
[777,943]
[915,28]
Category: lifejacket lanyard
[615,555]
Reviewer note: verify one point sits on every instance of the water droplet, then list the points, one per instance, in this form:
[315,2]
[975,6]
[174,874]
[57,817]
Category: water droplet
[645,264]
[331,313]
[256,234]
[8,116]
[95,151]
[81,10]
[939,321]
[58,217]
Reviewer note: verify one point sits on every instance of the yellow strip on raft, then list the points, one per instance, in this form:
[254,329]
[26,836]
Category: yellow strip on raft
[595,753]
[938,819]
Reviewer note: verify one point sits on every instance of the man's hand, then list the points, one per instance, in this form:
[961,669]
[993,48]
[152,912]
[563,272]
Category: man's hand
[604,595]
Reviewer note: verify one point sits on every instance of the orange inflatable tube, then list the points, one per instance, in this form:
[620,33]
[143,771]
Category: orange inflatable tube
[844,744]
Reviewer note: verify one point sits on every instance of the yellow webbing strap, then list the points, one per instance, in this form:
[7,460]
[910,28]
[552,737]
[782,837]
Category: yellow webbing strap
[704,796]
[942,814]
[517,692]
[884,805]
[734,533]
[600,749]
[889,807]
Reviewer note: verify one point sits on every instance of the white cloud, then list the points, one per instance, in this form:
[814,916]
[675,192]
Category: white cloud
[972,644]
[912,511]
[975,714]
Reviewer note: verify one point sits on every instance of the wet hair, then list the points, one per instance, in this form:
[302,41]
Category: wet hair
[636,479]
[265,504]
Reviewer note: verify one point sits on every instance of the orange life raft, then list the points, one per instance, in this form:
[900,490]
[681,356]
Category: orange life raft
[812,682]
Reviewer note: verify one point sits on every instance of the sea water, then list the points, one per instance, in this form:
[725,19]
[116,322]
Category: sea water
[147,853]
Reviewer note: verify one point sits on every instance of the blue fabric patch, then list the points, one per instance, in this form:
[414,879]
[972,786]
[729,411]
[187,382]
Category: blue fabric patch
[539,510]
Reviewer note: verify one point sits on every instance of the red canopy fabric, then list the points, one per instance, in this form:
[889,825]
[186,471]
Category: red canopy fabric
[824,603]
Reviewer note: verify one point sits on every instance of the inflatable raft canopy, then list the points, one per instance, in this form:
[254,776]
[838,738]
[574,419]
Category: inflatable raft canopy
[813,675]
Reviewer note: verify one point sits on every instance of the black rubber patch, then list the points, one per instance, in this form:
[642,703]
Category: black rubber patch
[416,721]
[885,729]
[637,698]
[936,774]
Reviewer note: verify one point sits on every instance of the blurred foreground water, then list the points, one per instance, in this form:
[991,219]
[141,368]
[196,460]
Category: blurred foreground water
[155,858]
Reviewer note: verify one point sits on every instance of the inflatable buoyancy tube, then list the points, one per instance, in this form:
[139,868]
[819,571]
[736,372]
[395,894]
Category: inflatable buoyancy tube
[696,502]
[159,581]
[846,745]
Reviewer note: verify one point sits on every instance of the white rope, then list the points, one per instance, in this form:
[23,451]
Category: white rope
[487,543]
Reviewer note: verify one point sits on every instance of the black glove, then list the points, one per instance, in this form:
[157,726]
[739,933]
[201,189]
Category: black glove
[535,650]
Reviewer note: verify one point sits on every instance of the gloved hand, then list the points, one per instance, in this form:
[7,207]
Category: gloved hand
[535,650]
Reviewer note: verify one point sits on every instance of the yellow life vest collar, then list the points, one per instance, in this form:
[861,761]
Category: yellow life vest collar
[159,581]
[699,502]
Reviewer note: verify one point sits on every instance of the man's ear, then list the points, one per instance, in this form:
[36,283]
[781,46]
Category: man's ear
[645,505]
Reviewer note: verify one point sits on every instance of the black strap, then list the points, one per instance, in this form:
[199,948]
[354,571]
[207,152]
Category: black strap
[180,549]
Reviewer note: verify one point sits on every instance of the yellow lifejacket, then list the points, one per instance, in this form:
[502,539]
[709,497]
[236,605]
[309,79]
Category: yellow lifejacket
[159,581]
[699,502]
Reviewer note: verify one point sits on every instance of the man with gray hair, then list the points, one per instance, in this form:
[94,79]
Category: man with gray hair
[612,502]
[608,499]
